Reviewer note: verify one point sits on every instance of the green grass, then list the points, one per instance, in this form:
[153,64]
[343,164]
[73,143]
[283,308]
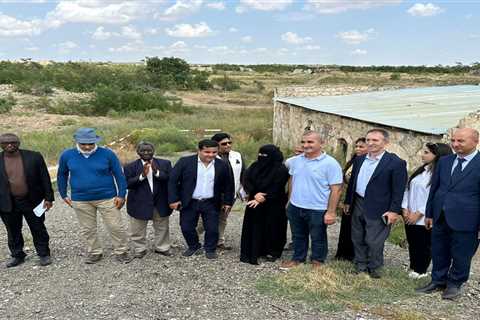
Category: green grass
[334,287]
[250,129]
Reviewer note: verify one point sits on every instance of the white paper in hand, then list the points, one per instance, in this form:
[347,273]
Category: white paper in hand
[39,210]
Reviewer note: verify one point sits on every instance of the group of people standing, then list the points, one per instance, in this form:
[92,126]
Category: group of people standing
[439,202]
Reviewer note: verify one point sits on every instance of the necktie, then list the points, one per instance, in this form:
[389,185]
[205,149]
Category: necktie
[458,169]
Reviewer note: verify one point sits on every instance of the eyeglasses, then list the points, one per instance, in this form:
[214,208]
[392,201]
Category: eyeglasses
[225,143]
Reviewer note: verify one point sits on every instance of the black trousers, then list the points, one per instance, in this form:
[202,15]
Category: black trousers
[13,223]
[345,244]
[419,247]
[189,219]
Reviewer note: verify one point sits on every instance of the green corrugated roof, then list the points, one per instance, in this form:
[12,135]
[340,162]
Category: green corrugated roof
[431,110]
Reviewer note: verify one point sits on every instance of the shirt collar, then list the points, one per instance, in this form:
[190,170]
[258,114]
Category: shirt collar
[470,156]
[200,161]
[320,157]
[377,158]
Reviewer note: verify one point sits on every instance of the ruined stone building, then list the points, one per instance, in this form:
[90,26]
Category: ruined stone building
[412,116]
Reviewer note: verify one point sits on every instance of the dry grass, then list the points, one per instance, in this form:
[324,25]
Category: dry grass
[335,287]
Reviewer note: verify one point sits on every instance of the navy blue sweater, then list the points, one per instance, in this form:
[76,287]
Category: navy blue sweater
[91,178]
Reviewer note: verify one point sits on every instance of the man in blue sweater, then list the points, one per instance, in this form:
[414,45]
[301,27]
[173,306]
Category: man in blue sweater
[97,184]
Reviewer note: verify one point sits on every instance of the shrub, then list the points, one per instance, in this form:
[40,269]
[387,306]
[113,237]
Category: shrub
[6,104]
[167,140]
[225,83]
[395,76]
[79,107]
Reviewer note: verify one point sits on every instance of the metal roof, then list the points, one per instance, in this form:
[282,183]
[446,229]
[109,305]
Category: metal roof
[431,110]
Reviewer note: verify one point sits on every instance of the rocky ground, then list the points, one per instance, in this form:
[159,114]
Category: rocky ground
[158,287]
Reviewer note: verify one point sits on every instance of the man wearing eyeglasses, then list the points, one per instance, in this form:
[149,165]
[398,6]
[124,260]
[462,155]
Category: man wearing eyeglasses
[24,184]
[235,162]
[97,186]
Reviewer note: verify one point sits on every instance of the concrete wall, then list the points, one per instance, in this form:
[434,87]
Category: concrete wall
[290,122]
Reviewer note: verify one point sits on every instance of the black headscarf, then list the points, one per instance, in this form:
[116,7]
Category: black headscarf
[262,172]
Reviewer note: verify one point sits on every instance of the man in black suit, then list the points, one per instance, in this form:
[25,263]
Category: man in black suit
[453,210]
[147,180]
[201,185]
[24,184]
[374,193]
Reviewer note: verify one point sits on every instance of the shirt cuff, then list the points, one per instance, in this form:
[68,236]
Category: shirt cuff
[141,178]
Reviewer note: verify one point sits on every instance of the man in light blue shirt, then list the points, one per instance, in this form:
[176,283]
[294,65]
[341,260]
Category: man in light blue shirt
[316,182]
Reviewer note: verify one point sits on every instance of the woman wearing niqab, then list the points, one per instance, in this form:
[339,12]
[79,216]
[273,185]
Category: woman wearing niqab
[264,231]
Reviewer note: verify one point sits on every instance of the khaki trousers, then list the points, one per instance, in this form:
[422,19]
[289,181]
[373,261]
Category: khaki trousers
[112,219]
[138,233]
[222,225]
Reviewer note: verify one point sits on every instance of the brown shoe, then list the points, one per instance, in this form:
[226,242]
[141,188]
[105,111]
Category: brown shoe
[93,258]
[166,253]
[287,265]
[123,258]
[223,247]
[140,255]
[316,264]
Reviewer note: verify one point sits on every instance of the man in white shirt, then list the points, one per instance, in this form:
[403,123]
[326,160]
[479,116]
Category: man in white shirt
[147,180]
[198,186]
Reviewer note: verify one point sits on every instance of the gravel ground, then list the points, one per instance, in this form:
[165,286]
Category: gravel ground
[159,287]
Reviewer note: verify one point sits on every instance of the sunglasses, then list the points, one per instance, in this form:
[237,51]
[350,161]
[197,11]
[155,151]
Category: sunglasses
[225,143]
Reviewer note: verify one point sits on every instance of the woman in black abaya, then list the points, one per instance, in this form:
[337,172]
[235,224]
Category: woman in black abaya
[264,231]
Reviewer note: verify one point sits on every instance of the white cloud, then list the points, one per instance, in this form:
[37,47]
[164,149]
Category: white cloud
[33,49]
[185,30]
[293,38]
[264,5]
[260,50]
[179,45]
[424,10]
[216,5]
[130,32]
[97,11]
[247,39]
[473,36]
[101,34]
[311,47]
[240,10]
[152,31]
[66,47]
[232,29]
[12,27]
[179,9]
[359,52]
[129,47]
[355,36]
[338,6]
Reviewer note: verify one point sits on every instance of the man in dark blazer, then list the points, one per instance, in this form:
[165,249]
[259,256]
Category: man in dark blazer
[147,199]
[201,185]
[24,184]
[453,210]
[374,198]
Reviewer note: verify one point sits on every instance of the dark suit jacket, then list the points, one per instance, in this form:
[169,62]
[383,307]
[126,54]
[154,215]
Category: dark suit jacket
[38,180]
[460,199]
[183,180]
[140,199]
[386,186]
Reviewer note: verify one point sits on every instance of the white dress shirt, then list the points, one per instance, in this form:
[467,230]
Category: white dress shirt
[205,180]
[416,195]
[149,175]
[366,171]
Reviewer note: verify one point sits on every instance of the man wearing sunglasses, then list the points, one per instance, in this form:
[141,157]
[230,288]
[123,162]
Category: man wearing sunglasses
[235,162]
[24,184]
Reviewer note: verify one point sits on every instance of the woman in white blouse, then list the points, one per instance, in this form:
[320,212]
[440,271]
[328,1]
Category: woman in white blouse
[413,205]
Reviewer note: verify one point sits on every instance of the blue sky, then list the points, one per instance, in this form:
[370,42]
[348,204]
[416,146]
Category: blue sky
[356,32]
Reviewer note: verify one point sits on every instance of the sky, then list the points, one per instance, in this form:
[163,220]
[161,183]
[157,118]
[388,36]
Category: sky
[355,32]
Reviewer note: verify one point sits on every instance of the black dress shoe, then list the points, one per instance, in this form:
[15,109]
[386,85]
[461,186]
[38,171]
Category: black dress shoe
[15,262]
[431,287]
[374,274]
[45,261]
[192,251]
[211,255]
[166,253]
[451,293]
